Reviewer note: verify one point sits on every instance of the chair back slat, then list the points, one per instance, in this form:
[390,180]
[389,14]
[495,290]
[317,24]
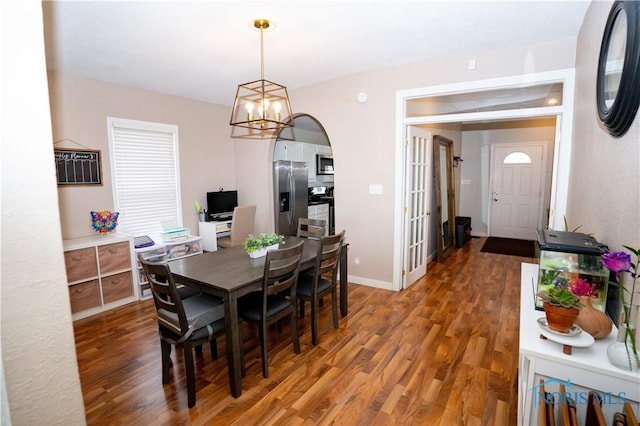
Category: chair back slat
[165,296]
[329,254]
[281,269]
[311,228]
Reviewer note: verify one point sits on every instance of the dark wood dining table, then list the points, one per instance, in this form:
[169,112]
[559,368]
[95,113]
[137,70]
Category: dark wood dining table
[229,274]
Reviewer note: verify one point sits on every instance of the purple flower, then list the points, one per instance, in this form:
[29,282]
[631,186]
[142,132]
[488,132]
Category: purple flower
[617,261]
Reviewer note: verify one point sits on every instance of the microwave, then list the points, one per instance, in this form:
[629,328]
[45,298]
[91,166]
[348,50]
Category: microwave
[324,164]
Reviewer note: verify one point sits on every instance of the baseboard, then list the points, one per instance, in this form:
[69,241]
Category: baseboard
[371,283]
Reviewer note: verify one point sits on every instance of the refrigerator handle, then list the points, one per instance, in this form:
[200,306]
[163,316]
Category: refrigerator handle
[292,199]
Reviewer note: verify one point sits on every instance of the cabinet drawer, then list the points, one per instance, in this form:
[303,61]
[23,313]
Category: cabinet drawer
[84,296]
[116,287]
[81,264]
[114,257]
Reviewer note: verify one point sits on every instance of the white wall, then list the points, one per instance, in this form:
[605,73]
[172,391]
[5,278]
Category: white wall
[362,138]
[604,185]
[38,349]
[79,111]
[476,142]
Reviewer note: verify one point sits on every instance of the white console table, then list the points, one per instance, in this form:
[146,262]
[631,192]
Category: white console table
[211,231]
[586,368]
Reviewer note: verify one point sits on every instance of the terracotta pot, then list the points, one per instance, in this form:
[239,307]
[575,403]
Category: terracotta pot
[559,318]
[592,320]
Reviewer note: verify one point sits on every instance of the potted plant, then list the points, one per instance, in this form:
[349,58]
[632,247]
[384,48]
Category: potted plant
[258,246]
[200,211]
[591,320]
[561,308]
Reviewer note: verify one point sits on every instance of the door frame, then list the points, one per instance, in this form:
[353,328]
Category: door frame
[562,148]
[543,177]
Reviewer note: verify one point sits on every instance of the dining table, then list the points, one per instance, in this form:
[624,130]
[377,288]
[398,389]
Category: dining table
[230,274]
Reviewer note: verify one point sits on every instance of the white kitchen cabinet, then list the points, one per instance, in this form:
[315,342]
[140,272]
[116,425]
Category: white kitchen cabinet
[587,368]
[291,151]
[309,157]
[320,211]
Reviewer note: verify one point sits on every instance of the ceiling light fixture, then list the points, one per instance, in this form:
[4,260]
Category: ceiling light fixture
[261,106]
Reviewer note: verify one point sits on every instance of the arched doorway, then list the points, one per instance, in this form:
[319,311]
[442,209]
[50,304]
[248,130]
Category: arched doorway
[303,176]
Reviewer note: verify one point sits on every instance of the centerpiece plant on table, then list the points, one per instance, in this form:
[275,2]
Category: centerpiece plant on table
[257,246]
[561,307]
[624,352]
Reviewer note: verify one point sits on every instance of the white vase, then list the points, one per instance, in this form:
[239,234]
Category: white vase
[621,353]
[263,251]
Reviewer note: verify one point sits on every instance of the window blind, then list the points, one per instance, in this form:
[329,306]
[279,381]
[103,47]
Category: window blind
[145,175]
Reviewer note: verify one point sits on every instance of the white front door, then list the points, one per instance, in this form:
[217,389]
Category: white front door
[417,198]
[516,190]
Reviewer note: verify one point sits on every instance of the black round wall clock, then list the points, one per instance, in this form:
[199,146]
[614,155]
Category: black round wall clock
[618,81]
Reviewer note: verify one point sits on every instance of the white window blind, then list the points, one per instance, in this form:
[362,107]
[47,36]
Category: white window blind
[145,175]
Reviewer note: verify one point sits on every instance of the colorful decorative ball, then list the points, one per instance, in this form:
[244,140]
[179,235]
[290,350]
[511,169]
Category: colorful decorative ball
[104,221]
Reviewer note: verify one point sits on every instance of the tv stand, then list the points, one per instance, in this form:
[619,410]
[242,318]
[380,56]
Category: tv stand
[211,231]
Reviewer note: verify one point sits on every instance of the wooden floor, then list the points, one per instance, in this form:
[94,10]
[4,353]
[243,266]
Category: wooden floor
[442,352]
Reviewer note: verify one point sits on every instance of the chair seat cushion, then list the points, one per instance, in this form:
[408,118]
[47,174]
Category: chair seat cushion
[200,310]
[305,284]
[250,306]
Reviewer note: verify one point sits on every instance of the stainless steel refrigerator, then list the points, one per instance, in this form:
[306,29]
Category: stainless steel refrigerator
[290,180]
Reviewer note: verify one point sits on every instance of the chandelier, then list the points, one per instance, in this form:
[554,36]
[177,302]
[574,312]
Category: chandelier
[260,106]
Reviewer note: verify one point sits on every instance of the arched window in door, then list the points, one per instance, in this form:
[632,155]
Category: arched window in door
[517,157]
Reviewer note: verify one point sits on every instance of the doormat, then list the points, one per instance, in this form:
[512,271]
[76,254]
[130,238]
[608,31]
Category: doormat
[509,246]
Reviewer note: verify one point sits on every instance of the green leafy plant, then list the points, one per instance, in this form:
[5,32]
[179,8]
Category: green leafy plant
[253,243]
[561,297]
[566,227]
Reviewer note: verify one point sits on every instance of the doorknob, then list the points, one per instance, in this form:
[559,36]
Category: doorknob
[495,199]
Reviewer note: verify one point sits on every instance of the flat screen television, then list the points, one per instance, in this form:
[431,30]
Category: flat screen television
[221,203]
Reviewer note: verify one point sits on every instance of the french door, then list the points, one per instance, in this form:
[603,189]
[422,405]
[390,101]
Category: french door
[417,199]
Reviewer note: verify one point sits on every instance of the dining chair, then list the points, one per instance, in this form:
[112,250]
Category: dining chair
[311,228]
[188,322]
[241,226]
[313,285]
[277,299]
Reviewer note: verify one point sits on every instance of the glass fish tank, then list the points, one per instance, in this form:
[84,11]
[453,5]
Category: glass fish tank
[572,260]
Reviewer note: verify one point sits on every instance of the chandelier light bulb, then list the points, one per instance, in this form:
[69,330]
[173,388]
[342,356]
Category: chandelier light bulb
[249,107]
[276,109]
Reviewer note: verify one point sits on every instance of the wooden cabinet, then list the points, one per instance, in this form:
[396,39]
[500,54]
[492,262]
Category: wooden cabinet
[84,296]
[81,264]
[99,273]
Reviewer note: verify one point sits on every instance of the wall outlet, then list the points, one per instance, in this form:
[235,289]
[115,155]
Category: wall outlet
[375,189]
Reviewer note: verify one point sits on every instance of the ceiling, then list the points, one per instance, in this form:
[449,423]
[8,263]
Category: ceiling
[203,49]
